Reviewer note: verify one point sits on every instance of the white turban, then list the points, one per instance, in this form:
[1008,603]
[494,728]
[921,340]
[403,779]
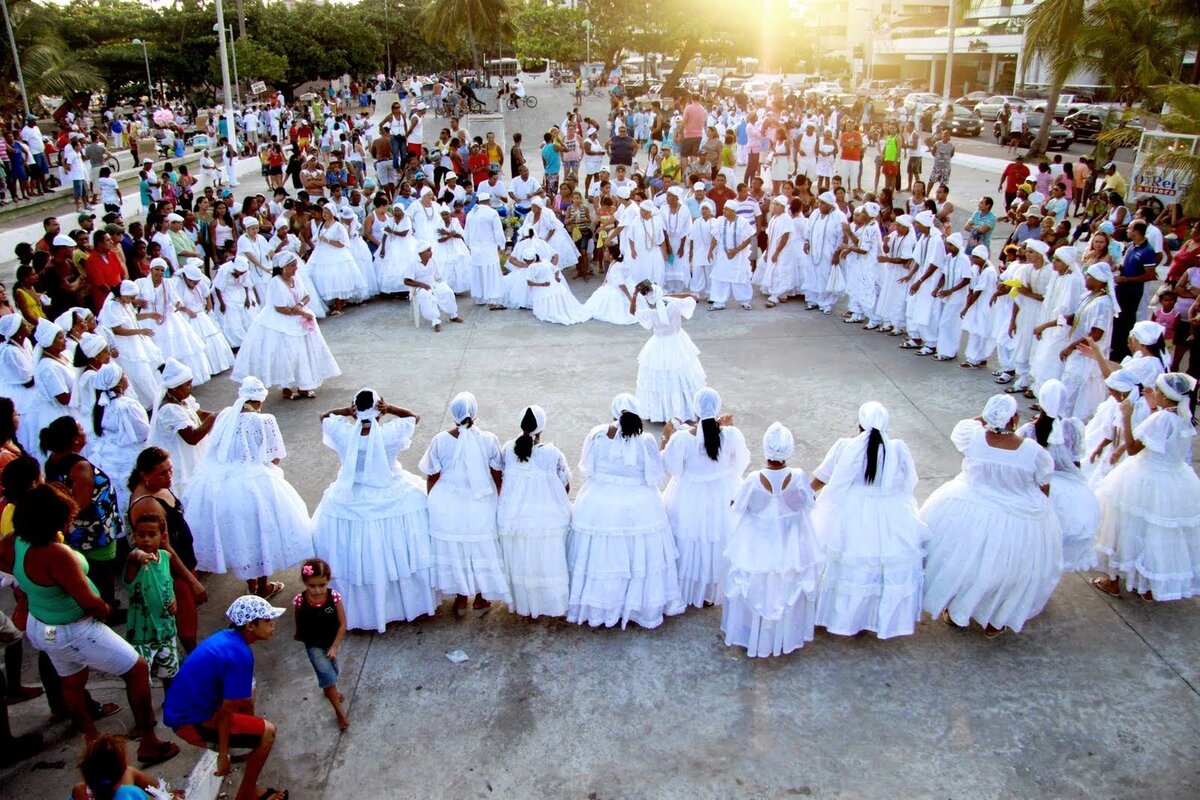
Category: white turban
[622,403]
[368,413]
[955,239]
[871,210]
[828,198]
[780,199]
[159,263]
[463,407]
[10,324]
[240,264]
[924,218]
[710,205]
[1145,369]
[193,273]
[1147,332]
[905,220]
[285,257]
[675,192]
[281,222]
[537,202]
[422,246]
[346,212]
[539,418]
[622,192]
[128,288]
[1052,396]
[175,374]
[646,205]
[472,450]
[998,412]
[174,218]
[249,222]
[1101,271]
[45,333]
[106,380]
[706,403]
[66,320]
[91,344]
[1122,380]
[1178,386]
[872,415]
[1068,256]
[426,190]
[981,251]
[778,443]
[252,389]
[1037,246]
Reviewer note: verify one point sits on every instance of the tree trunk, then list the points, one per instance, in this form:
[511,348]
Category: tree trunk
[1038,148]
[241,15]
[471,41]
[686,52]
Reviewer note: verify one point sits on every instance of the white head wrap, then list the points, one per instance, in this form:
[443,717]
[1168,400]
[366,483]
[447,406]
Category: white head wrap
[174,218]
[1145,369]
[425,190]
[159,263]
[537,202]
[10,324]
[1068,256]
[706,403]
[1122,380]
[1101,271]
[981,251]
[285,257]
[998,412]
[128,288]
[483,196]
[280,222]
[710,205]
[1037,246]
[539,418]
[647,205]
[828,198]
[1147,332]
[91,344]
[355,448]
[955,239]
[905,220]
[240,264]
[471,446]
[106,380]
[62,240]
[622,403]
[924,218]
[675,192]
[872,415]
[193,273]
[251,389]
[45,333]
[175,374]
[871,210]
[778,443]
[422,245]
[622,192]
[1052,396]
[249,222]
[1178,386]
[66,320]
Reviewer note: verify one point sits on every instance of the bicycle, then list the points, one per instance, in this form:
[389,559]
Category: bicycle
[513,102]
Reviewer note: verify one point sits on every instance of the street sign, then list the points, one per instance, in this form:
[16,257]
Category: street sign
[258,87]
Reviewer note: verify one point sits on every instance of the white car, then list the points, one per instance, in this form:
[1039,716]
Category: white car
[990,108]
[756,90]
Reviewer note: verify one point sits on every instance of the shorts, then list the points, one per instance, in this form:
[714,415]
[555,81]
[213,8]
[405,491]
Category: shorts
[914,166]
[245,732]
[385,173]
[690,147]
[41,164]
[80,189]
[86,644]
[187,618]
[274,170]
[416,148]
[163,657]
[325,667]
[93,174]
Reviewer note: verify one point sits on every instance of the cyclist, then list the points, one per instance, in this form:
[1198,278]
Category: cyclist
[468,91]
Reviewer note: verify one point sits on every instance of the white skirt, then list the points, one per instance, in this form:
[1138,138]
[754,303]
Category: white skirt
[669,374]
[762,637]
[621,557]
[366,264]
[395,264]
[216,348]
[280,359]
[334,275]
[236,321]
[246,519]
[701,519]
[988,562]
[533,529]
[176,339]
[874,568]
[609,304]
[466,551]
[378,547]
[1078,513]
[555,303]
[1149,533]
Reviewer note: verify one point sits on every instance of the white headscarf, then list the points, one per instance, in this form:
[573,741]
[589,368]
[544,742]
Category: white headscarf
[10,324]
[1147,332]
[873,416]
[658,304]
[706,403]
[1052,396]
[850,466]
[369,449]
[1122,380]
[980,251]
[106,381]
[471,451]
[45,333]
[778,443]
[539,418]
[1102,272]
[251,390]
[1178,386]
[998,412]
[175,374]
[622,403]
[66,320]
[128,288]
[91,344]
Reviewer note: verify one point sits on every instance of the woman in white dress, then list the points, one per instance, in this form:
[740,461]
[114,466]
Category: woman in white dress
[195,296]
[551,297]
[1103,438]
[620,551]
[179,425]
[357,246]
[450,253]
[669,371]
[1149,535]
[777,276]
[995,548]
[533,518]
[164,315]
[121,429]
[463,481]
[866,518]
[610,302]
[1073,500]
[775,562]
[53,377]
[334,273]
[284,345]
[397,254]
[73,324]
[706,463]
[645,237]
[16,376]
[548,228]
[524,255]
[136,350]
[372,524]
[699,245]
[237,302]
[244,515]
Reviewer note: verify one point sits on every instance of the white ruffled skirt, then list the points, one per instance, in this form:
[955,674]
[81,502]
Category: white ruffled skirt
[669,374]
[466,550]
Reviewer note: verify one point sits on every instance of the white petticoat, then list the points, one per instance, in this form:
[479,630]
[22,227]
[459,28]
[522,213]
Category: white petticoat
[1078,514]
[333,273]
[466,551]
[378,547]
[609,304]
[669,375]
[282,359]
[702,519]
[216,347]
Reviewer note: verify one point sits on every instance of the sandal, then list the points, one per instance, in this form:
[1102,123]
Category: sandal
[1109,587]
[271,793]
[107,710]
[770,304]
[287,394]
[1015,390]
[992,633]
[1004,378]
[165,752]
[305,394]
[273,588]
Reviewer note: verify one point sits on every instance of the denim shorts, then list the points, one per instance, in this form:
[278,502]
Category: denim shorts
[325,667]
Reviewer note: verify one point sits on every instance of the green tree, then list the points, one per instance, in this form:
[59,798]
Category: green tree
[320,41]
[1130,46]
[1054,33]
[486,22]
[255,63]
[549,31]
[49,66]
[1182,115]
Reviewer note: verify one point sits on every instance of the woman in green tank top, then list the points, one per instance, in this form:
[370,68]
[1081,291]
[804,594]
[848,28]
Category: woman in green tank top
[66,616]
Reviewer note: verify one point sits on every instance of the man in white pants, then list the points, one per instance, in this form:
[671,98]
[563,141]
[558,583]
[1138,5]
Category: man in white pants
[433,296]
[730,256]
[484,235]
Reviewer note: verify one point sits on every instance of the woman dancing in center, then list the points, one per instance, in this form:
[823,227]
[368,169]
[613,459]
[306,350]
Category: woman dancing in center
[669,372]
[620,551]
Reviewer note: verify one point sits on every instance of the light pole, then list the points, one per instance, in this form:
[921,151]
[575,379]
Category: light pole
[149,80]
[12,43]
[949,54]
[587,34]
[237,84]
[230,123]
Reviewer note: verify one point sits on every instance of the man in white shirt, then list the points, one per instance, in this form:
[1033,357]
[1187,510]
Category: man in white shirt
[416,131]
[75,170]
[621,180]
[31,135]
[497,192]
[484,235]
[692,204]
[523,189]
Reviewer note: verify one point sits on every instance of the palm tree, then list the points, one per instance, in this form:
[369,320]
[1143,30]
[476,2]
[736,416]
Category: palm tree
[1130,46]
[445,22]
[1054,33]
[47,64]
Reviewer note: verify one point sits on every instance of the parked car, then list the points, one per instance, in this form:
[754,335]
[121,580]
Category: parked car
[756,91]
[923,98]
[1060,137]
[963,123]
[1067,104]
[1089,121]
[991,107]
[972,99]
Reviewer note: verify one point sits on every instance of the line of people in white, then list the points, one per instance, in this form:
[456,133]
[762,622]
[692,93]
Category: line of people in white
[783,551]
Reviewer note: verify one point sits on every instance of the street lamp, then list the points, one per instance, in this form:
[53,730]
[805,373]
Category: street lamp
[587,28]
[230,123]
[149,81]
[12,42]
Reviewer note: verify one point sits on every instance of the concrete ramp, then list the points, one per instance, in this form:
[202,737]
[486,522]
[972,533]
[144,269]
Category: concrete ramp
[383,106]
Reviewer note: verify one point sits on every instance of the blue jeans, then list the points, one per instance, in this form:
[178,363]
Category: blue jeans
[325,667]
[399,148]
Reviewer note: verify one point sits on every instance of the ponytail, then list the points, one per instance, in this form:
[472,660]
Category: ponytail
[469,423]
[712,437]
[876,453]
[1158,350]
[631,424]
[1041,428]
[98,414]
[523,448]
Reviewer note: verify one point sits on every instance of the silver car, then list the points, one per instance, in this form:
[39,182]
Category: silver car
[990,108]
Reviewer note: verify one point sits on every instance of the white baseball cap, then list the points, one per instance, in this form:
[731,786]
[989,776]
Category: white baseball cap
[251,608]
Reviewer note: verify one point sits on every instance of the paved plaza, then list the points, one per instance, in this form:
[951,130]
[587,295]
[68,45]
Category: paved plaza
[1097,698]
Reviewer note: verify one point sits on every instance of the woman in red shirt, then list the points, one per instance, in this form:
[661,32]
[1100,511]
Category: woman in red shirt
[104,269]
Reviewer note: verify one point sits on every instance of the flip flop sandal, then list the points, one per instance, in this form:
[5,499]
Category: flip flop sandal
[270,793]
[1029,395]
[1014,390]
[770,304]
[273,588]
[107,710]
[166,751]
[994,633]
[1103,585]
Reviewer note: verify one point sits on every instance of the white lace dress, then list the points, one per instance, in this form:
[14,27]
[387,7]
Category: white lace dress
[1073,500]
[195,300]
[669,371]
[283,349]
[140,356]
[166,423]
[241,303]
[174,336]
[123,434]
